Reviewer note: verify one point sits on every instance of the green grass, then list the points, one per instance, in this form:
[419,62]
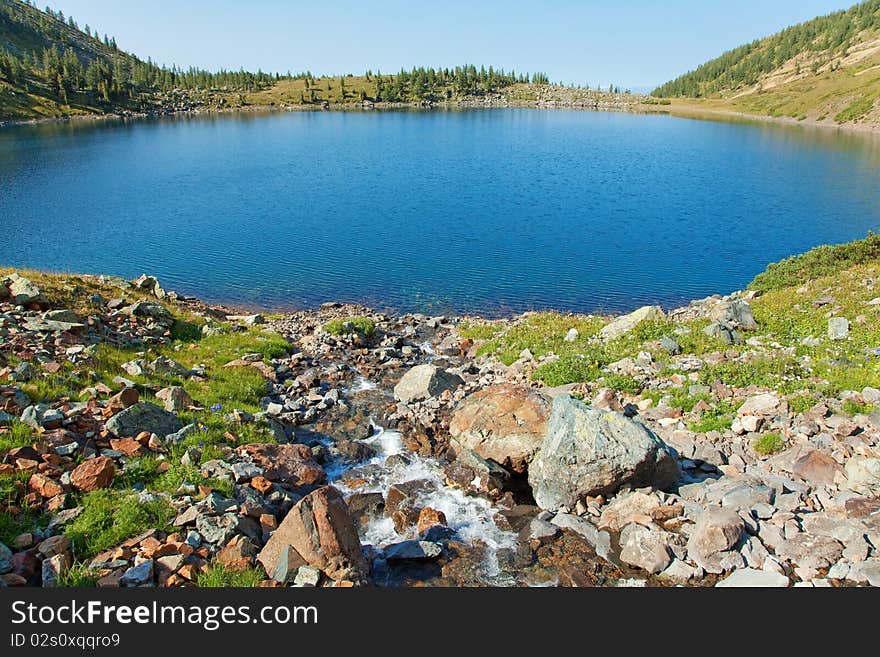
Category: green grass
[352,325]
[16,435]
[816,263]
[768,444]
[852,408]
[856,110]
[79,576]
[110,517]
[542,333]
[718,418]
[218,576]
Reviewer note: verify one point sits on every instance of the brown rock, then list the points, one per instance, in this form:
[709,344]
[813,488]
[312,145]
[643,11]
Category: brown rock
[238,554]
[93,474]
[13,579]
[128,446]
[504,423]
[322,532]
[110,581]
[46,487]
[290,464]
[261,485]
[54,545]
[122,400]
[428,518]
[817,468]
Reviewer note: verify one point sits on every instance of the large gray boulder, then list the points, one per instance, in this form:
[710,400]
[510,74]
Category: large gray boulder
[423,382]
[591,452]
[24,292]
[143,416]
[736,313]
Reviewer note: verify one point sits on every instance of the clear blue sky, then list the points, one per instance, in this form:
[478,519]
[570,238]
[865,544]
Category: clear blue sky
[631,43]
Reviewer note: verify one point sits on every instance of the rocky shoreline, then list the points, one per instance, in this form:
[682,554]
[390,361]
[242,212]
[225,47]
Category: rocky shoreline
[342,446]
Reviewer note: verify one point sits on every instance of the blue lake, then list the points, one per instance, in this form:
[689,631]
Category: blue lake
[488,211]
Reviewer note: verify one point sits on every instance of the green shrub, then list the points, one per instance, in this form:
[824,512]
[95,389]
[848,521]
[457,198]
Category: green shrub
[856,109]
[16,435]
[768,444]
[79,576]
[360,325]
[821,261]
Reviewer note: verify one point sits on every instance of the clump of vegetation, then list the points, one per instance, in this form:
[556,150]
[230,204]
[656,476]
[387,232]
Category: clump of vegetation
[110,517]
[15,435]
[719,418]
[219,576]
[821,261]
[352,325]
[768,444]
[852,407]
[79,576]
[855,110]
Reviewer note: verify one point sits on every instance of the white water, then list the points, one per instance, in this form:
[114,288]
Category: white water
[470,517]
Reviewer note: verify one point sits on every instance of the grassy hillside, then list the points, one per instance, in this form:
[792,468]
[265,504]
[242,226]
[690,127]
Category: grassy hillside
[826,70]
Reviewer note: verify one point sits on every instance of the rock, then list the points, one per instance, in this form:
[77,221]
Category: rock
[141,417]
[220,529]
[290,463]
[54,545]
[599,540]
[747,497]
[627,323]
[289,563]
[838,328]
[863,473]
[175,399]
[138,575]
[413,551]
[762,405]
[751,578]
[423,382]
[670,345]
[809,551]
[244,471]
[54,568]
[250,320]
[736,313]
[817,467]
[321,530]
[23,292]
[716,532]
[723,332]
[504,423]
[645,548]
[539,531]
[429,517]
[44,486]
[572,335]
[589,452]
[93,474]
[307,577]
[123,399]
[623,509]
[238,554]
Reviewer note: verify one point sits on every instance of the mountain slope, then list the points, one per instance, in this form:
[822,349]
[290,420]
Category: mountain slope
[826,70]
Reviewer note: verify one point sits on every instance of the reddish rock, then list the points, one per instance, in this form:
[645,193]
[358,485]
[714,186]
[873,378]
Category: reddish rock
[128,446]
[817,468]
[261,484]
[238,554]
[13,579]
[322,533]
[93,474]
[25,564]
[429,517]
[110,581]
[289,464]
[44,486]
[122,400]
[504,423]
[54,545]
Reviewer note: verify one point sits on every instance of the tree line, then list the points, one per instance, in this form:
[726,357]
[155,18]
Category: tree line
[830,35]
[56,55]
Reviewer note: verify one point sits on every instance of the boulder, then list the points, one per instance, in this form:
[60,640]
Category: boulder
[320,529]
[290,463]
[143,416]
[838,328]
[423,382]
[627,323]
[863,472]
[505,423]
[736,313]
[413,551]
[93,474]
[23,292]
[751,578]
[762,405]
[645,548]
[591,452]
[717,532]
[818,468]
[175,399]
[724,332]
